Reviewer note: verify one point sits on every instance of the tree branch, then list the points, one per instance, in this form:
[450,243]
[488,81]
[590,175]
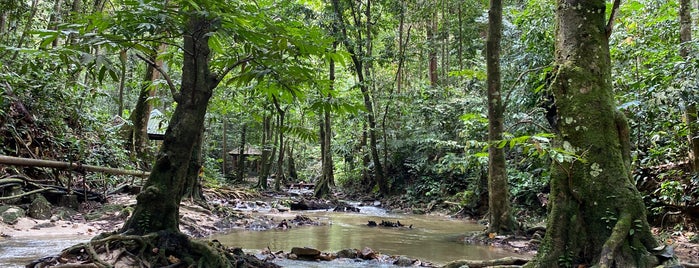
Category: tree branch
[170,84]
[228,69]
[610,23]
[512,88]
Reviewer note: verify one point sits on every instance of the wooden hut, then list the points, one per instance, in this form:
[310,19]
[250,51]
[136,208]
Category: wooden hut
[252,160]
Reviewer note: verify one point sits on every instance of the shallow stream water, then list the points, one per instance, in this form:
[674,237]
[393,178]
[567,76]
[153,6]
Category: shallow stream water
[432,238]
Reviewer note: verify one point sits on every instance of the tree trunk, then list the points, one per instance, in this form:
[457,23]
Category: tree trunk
[193,190]
[327,177]
[357,62]
[501,219]
[266,151]
[596,215]
[279,177]
[141,113]
[224,144]
[241,154]
[690,113]
[291,164]
[53,20]
[158,204]
[122,81]
[432,49]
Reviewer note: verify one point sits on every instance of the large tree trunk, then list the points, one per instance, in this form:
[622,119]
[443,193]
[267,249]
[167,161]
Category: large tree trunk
[501,219]
[193,190]
[690,113]
[596,215]
[158,205]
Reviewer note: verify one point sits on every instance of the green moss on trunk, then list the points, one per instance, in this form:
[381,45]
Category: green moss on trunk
[596,216]
[158,205]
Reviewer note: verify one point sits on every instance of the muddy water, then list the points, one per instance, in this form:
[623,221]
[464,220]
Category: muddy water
[432,238]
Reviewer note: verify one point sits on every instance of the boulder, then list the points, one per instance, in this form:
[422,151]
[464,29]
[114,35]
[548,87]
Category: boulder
[403,261]
[40,208]
[11,214]
[347,253]
[305,252]
[368,254]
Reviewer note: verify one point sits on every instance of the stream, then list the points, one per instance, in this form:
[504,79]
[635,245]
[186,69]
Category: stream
[432,239]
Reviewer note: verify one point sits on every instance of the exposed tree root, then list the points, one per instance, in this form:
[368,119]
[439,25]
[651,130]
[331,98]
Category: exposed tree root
[619,233]
[230,193]
[502,262]
[163,249]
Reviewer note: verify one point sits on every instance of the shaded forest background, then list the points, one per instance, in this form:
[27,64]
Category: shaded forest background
[412,126]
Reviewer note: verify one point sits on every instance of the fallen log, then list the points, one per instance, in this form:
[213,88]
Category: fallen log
[502,262]
[18,161]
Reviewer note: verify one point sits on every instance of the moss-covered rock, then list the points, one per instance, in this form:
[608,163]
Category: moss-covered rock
[11,214]
[13,191]
[40,208]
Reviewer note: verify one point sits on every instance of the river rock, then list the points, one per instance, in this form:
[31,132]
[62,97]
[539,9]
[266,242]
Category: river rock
[347,253]
[40,208]
[368,254]
[13,191]
[305,252]
[403,261]
[309,205]
[11,214]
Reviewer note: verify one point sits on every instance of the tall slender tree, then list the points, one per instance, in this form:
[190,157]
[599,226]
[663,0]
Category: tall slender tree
[501,219]
[358,56]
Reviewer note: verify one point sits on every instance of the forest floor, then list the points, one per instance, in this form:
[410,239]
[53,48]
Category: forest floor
[237,209]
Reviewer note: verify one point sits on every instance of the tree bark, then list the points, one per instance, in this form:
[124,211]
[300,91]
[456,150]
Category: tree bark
[193,190]
[224,144]
[241,154]
[432,49]
[141,113]
[279,177]
[122,80]
[327,177]
[690,113]
[596,214]
[266,152]
[158,204]
[501,219]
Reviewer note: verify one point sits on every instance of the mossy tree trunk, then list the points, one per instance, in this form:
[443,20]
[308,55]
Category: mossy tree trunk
[158,205]
[501,219]
[193,190]
[141,113]
[596,215]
